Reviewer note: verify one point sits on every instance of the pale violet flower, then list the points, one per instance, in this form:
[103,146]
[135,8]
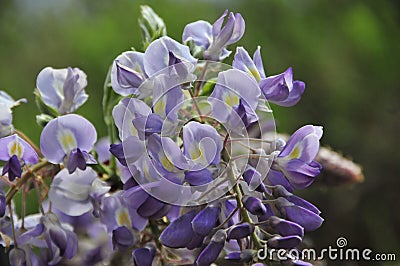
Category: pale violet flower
[73,194]
[69,139]
[6,105]
[16,152]
[214,38]
[62,89]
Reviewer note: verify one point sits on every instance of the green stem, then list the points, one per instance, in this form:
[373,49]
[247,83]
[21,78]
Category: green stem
[243,213]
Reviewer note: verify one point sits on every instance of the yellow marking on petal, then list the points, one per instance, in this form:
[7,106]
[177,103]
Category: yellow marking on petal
[295,152]
[134,131]
[166,163]
[67,140]
[196,153]
[123,218]
[254,72]
[159,107]
[15,148]
[231,99]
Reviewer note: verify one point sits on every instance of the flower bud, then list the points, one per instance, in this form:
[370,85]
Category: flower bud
[240,231]
[211,252]
[254,205]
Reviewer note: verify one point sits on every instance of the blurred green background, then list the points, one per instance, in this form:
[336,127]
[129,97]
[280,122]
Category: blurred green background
[347,52]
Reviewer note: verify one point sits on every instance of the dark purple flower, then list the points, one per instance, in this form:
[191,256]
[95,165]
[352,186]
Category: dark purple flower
[246,255]
[297,214]
[16,151]
[69,138]
[143,256]
[211,252]
[284,227]
[62,89]
[214,38]
[59,240]
[280,191]
[2,203]
[240,231]
[178,234]
[122,238]
[296,158]
[284,242]
[281,89]
[254,205]
[205,220]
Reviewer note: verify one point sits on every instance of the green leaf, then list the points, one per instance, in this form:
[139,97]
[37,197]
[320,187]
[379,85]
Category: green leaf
[151,25]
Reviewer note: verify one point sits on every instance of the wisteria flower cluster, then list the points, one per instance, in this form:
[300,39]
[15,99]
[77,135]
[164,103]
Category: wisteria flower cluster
[191,173]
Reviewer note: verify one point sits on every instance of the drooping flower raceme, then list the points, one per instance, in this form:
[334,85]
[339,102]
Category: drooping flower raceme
[62,89]
[214,38]
[192,175]
[69,139]
[16,152]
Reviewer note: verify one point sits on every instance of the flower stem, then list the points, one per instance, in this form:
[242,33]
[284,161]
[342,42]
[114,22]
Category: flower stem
[12,225]
[14,189]
[243,213]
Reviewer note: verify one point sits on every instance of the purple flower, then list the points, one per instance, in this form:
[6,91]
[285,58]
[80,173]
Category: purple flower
[254,205]
[123,238]
[125,112]
[69,138]
[254,67]
[179,233]
[307,219]
[127,73]
[202,144]
[16,152]
[116,213]
[60,241]
[284,227]
[281,89]
[214,38]
[166,154]
[246,255]
[234,93]
[165,52]
[6,105]
[143,256]
[211,252]
[240,231]
[296,158]
[62,89]
[284,242]
[74,193]
[205,220]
